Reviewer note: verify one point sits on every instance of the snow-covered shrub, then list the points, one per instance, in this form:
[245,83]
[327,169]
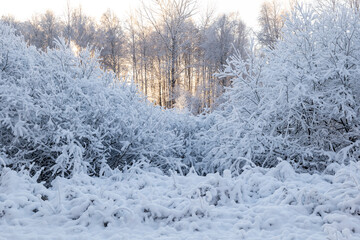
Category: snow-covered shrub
[62,113]
[298,102]
[228,135]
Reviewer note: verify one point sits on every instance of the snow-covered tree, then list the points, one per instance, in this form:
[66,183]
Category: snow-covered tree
[298,101]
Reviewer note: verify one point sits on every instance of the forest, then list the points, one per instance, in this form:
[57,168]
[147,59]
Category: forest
[165,127]
[167,53]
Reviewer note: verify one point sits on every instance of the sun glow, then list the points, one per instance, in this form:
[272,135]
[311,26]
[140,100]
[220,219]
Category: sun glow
[74,48]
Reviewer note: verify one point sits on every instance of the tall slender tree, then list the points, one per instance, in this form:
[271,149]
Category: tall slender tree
[168,18]
[271,20]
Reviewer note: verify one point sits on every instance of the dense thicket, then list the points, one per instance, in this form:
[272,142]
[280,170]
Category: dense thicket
[298,101]
[62,113]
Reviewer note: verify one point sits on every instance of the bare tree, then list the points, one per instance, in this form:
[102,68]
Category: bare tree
[271,21]
[83,28]
[111,39]
[41,30]
[132,35]
[68,31]
[168,18]
[50,27]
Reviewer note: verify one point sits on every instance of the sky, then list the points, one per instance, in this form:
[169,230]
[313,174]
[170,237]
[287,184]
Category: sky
[24,9]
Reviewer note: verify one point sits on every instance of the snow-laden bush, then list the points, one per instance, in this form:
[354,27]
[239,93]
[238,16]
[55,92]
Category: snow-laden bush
[298,102]
[62,113]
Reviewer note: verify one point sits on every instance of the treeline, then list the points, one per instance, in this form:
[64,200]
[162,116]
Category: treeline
[169,56]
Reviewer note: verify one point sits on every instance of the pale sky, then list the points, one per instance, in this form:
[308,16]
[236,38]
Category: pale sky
[24,9]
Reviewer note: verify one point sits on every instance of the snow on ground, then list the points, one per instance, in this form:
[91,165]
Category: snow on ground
[259,204]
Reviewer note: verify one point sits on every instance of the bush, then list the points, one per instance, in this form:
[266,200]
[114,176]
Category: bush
[298,102]
[62,113]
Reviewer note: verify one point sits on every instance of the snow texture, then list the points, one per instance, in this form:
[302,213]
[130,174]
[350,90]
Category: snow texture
[261,203]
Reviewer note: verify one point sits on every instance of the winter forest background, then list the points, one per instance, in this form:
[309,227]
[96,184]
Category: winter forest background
[266,145]
[161,47]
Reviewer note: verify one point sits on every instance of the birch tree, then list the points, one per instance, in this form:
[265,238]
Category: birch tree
[271,21]
[168,18]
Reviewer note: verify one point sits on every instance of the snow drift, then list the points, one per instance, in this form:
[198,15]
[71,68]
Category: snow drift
[275,203]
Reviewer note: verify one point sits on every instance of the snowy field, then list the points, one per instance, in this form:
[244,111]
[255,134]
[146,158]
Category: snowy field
[259,204]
